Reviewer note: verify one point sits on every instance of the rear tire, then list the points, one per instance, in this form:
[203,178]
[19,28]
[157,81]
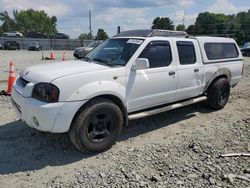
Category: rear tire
[218,94]
[97,126]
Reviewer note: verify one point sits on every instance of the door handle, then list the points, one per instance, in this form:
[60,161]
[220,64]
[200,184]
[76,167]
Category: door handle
[196,70]
[171,73]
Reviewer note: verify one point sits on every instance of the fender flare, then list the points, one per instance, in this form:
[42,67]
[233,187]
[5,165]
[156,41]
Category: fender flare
[222,72]
[102,89]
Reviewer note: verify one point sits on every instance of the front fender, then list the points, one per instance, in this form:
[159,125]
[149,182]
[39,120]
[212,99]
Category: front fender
[98,88]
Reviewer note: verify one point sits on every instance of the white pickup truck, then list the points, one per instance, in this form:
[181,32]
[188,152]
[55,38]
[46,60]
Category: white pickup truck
[132,75]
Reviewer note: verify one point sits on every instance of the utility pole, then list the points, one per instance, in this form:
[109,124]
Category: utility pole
[184,19]
[90,29]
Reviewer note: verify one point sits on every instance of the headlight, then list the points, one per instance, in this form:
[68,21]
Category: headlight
[46,92]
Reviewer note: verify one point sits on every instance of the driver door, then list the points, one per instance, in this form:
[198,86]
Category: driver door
[156,85]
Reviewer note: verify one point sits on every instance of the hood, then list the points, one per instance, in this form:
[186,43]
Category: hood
[83,49]
[51,71]
[80,48]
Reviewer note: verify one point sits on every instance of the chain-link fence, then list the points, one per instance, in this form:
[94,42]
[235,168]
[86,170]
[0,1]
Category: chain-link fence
[47,44]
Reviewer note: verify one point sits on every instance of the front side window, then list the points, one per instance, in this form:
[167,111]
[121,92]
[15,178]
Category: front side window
[186,52]
[221,50]
[115,51]
[158,53]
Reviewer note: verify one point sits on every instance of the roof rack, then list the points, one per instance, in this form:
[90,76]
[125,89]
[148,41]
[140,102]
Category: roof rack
[152,33]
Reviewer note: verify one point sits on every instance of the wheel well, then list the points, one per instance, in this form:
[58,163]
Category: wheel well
[114,99]
[214,80]
[119,103]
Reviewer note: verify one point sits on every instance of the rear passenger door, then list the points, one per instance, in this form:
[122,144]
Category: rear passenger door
[156,85]
[190,69]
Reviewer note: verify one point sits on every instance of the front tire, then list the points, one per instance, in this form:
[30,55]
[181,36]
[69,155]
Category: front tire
[97,126]
[218,94]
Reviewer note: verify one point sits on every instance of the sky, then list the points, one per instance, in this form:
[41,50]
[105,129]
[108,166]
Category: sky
[72,15]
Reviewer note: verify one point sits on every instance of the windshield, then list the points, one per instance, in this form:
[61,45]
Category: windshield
[93,44]
[116,51]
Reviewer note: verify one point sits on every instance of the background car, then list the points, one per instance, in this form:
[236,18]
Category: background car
[11,45]
[80,52]
[32,34]
[35,46]
[245,52]
[1,47]
[246,49]
[12,34]
[60,36]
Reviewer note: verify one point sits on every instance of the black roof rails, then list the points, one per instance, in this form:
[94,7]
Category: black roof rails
[152,33]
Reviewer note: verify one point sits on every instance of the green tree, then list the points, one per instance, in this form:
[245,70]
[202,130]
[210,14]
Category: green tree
[8,22]
[242,27]
[235,26]
[29,20]
[101,35]
[206,23]
[162,23]
[85,36]
[192,30]
[180,27]
[211,23]
[34,20]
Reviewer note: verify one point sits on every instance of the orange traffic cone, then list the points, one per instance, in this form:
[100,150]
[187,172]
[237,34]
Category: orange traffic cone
[63,59]
[12,78]
[52,55]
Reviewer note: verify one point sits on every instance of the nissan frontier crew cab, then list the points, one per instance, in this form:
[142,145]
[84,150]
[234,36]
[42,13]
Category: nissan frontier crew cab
[135,74]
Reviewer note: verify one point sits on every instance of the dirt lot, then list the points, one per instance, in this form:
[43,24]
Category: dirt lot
[180,148]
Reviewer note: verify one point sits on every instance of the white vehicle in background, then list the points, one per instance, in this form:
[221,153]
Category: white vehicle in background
[132,75]
[12,34]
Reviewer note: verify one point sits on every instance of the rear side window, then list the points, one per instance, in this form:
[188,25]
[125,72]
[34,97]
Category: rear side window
[186,52]
[221,50]
[158,53]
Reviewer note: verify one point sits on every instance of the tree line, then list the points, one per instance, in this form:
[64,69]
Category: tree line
[37,21]
[29,20]
[236,26]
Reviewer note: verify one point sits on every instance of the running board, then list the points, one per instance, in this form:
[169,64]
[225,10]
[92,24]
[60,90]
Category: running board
[166,108]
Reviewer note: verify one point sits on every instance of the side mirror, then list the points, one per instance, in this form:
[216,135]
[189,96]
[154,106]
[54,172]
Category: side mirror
[140,64]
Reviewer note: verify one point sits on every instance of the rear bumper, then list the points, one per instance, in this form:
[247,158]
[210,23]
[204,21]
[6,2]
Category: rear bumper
[234,81]
[48,117]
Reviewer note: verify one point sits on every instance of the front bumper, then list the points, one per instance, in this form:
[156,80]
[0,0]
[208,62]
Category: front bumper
[49,117]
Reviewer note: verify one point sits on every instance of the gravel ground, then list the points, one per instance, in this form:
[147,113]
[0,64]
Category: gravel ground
[180,148]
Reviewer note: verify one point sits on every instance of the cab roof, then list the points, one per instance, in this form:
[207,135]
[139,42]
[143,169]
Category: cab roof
[152,33]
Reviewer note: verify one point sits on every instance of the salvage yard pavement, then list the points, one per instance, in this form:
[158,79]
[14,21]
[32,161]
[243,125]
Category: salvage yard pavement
[23,58]
[179,148]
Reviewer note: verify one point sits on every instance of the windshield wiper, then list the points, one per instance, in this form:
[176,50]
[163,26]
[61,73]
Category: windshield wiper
[103,61]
